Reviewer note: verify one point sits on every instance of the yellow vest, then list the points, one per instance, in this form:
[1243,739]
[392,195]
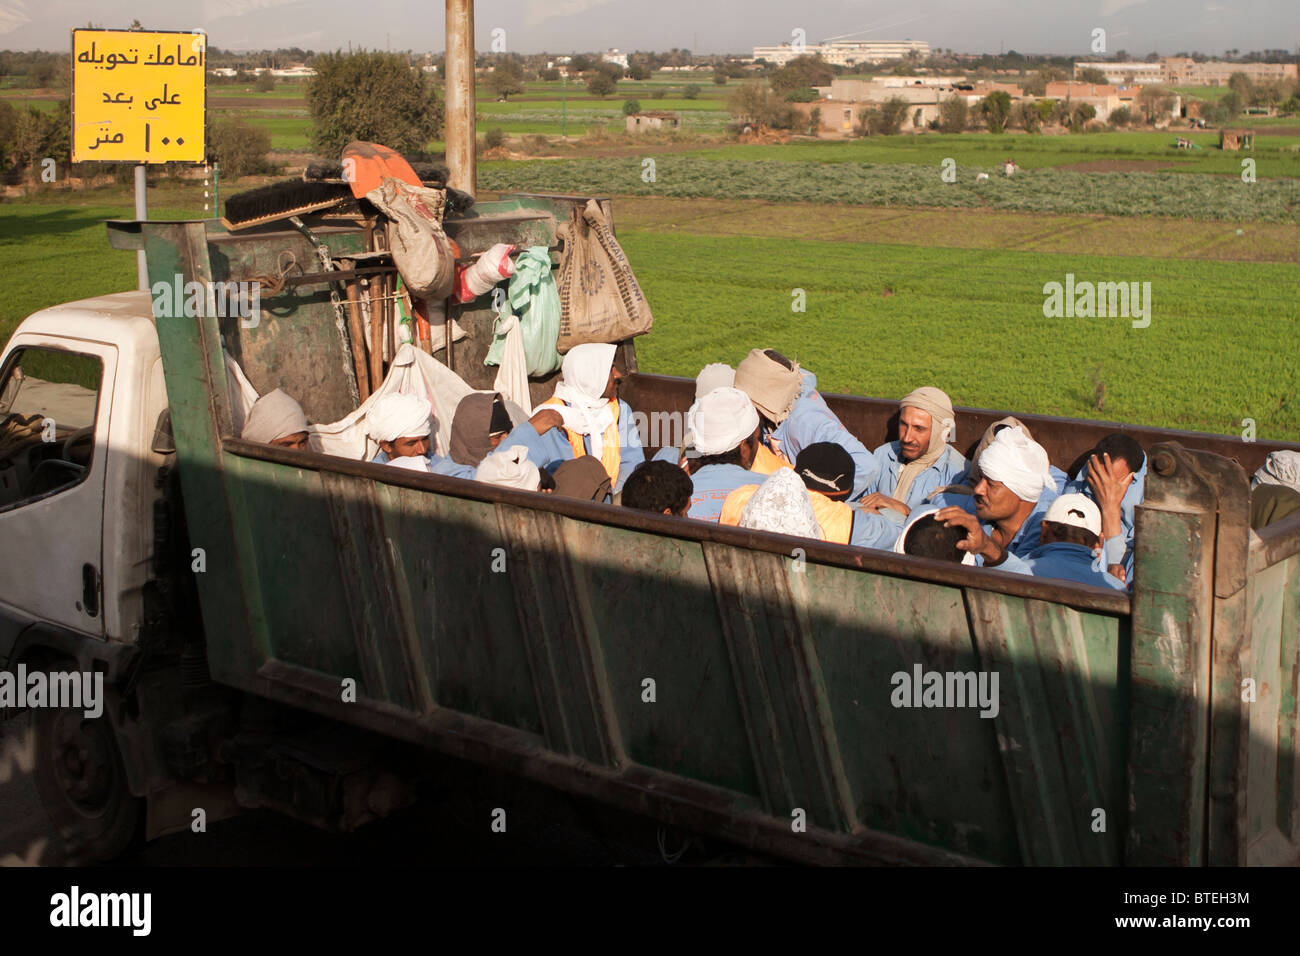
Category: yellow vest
[611,455]
[768,461]
[834,517]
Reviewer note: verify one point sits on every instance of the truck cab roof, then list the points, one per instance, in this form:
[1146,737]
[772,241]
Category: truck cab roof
[121,318]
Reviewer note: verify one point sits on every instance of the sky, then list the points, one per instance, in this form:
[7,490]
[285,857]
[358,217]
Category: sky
[704,26]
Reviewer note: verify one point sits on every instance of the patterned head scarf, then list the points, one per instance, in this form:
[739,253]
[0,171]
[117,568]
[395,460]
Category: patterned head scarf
[781,504]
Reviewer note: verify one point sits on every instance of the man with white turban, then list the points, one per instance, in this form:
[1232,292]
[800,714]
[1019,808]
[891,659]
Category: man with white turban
[277,419]
[727,438]
[714,375]
[1015,489]
[585,416]
[921,460]
[794,416]
[781,504]
[401,423]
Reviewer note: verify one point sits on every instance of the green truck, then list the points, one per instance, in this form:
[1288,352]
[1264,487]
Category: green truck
[268,621]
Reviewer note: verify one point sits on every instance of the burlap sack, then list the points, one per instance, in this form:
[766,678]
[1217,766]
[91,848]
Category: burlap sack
[600,300]
[422,252]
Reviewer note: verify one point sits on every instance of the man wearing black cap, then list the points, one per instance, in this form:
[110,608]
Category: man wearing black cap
[827,471]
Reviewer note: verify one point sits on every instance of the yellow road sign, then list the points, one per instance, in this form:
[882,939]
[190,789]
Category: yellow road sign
[138,97]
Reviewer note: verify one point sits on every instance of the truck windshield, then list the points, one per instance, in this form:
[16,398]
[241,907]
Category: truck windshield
[47,422]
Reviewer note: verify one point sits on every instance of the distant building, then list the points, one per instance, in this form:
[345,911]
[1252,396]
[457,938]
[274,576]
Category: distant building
[845,52]
[613,56]
[1184,71]
[652,119]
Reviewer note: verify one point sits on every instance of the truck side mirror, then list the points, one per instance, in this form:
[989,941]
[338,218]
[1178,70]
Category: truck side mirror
[163,443]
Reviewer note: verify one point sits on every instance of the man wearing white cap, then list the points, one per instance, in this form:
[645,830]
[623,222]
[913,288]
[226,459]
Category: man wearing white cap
[1069,547]
[1015,489]
[401,423]
[584,417]
[796,416]
[921,460]
[714,375]
[277,419]
[727,438]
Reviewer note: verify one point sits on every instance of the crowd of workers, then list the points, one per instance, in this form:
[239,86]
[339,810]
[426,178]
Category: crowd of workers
[762,450]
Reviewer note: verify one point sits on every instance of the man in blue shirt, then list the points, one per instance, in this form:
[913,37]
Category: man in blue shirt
[795,416]
[1069,547]
[727,438]
[921,460]
[401,423]
[1116,467]
[1015,489]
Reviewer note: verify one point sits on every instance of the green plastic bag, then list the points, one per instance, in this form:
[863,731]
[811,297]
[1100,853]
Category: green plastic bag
[535,299]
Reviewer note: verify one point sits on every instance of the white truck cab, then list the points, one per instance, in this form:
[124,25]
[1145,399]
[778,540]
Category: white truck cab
[81,394]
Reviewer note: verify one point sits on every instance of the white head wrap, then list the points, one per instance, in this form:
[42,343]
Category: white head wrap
[714,375]
[781,504]
[967,558]
[584,375]
[399,415]
[509,468]
[413,462]
[274,415]
[1019,462]
[723,419]
[1279,468]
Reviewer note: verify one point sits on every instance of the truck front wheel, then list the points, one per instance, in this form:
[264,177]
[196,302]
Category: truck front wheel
[83,785]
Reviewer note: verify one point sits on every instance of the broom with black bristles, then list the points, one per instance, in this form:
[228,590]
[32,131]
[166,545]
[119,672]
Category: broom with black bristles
[322,187]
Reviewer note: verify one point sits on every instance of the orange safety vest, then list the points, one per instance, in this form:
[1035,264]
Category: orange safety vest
[611,455]
[768,461]
[834,517]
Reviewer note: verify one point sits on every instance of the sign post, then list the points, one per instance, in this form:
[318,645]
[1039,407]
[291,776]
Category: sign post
[138,97]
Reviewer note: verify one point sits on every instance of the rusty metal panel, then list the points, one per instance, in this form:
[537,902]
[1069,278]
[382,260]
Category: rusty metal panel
[779,687]
[927,774]
[1057,725]
[655,618]
[1269,836]
[554,608]
[289,573]
[379,612]
[1169,717]
[467,639]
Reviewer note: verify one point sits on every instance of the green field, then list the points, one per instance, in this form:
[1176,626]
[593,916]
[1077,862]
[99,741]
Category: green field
[882,320]
[1042,190]
[881,317]
[1274,155]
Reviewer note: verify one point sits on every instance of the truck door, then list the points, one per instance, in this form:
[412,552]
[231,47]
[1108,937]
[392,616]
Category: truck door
[55,402]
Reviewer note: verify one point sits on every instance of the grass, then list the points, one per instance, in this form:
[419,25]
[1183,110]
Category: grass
[1042,190]
[1273,154]
[881,317]
[882,320]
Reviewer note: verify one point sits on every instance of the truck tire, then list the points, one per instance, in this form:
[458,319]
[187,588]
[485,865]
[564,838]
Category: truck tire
[83,785]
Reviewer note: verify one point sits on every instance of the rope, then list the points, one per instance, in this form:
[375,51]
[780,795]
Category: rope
[273,283]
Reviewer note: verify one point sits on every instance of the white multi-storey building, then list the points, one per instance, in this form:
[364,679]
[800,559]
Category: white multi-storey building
[845,52]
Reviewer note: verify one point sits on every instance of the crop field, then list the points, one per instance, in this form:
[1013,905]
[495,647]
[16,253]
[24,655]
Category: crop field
[1274,154]
[881,317]
[882,320]
[1041,190]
